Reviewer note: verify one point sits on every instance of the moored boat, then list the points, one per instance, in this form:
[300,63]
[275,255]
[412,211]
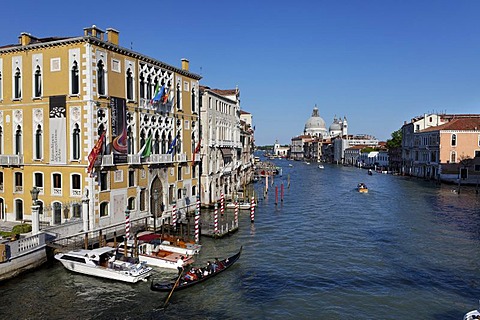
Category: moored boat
[472,315]
[102,262]
[171,243]
[320,166]
[187,281]
[241,205]
[151,254]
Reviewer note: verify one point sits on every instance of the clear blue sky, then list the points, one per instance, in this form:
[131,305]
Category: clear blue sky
[377,62]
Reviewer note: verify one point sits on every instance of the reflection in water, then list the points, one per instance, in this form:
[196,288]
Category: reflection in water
[408,249]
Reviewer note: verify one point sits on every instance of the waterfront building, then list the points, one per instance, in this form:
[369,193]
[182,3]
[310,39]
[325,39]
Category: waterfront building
[352,154]
[280,151]
[297,147]
[340,144]
[100,130]
[226,153]
[408,136]
[437,152]
[374,159]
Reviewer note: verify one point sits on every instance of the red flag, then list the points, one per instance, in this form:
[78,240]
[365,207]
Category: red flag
[196,151]
[94,153]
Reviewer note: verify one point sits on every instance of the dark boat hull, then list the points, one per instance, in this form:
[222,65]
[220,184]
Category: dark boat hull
[186,284]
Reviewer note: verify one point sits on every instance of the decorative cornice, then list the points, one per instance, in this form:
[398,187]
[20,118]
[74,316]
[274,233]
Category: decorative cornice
[103,44]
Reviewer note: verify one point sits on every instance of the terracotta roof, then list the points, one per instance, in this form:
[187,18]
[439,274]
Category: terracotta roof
[459,124]
[226,92]
[357,147]
[244,112]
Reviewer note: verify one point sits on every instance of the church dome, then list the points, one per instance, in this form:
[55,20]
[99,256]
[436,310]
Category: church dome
[315,122]
[335,127]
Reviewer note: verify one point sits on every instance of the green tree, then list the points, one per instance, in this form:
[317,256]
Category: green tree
[396,141]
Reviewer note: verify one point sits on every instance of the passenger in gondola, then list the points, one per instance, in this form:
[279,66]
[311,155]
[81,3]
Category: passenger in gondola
[191,275]
[209,267]
[219,264]
[214,267]
[199,273]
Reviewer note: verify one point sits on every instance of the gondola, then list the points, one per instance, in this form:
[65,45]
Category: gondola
[183,283]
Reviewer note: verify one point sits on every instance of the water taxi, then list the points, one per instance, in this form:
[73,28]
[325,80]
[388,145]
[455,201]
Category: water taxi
[362,188]
[102,262]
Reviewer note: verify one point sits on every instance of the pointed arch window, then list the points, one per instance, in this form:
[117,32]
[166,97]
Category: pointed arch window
[38,83]
[104,209]
[454,140]
[453,157]
[18,181]
[38,143]
[129,84]
[18,140]
[131,203]
[193,100]
[75,78]
[178,96]
[17,84]
[1,86]
[101,78]
[142,86]
[76,142]
[130,140]
[149,87]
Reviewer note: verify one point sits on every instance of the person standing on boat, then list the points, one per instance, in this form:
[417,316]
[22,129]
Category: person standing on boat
[180,265]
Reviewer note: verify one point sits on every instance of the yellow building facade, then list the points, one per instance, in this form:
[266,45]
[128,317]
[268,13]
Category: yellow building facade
[61,97]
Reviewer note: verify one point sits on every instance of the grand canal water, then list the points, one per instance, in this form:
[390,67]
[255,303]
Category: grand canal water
[408,249]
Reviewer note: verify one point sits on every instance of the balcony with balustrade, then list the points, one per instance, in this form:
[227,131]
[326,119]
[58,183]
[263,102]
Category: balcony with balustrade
[11,160]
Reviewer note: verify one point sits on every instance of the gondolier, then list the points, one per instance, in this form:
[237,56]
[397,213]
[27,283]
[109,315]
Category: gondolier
[180,264]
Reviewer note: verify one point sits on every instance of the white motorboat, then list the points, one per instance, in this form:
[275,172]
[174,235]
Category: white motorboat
[171,243]
[102,263]
[241,205]
[472,315]
[320,166]
[151,254]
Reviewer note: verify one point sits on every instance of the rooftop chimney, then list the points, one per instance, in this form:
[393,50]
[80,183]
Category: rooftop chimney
[94,32]
[185,63]
[25,38]
[112,36]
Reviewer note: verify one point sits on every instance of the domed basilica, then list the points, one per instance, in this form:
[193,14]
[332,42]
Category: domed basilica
[315,126]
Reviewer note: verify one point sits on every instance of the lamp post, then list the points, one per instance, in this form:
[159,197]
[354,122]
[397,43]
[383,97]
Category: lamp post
[155,201]
[35,210]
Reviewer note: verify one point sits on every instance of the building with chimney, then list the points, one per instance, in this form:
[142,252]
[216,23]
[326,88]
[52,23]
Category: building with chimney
[100,130]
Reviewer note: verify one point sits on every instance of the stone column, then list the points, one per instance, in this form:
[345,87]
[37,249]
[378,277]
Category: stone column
[85,216]
[35,218]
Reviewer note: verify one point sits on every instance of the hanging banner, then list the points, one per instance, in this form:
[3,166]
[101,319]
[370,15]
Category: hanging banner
[119,129]
[58,130]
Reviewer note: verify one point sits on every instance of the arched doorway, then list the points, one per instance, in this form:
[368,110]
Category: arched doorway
[57,213]
[18,210]
[2,209]
[157,205]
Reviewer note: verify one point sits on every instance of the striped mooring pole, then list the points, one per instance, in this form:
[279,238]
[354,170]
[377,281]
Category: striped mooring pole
[252,210]
[215,219]
[174,216]
[236,213]
[222,201]
[197,221]
[127,224]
